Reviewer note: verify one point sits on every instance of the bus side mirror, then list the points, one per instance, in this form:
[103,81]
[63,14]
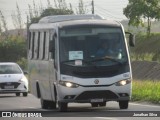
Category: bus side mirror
[25,72]
[131,39]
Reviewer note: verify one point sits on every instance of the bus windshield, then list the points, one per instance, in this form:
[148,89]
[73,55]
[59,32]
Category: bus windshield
[92,46]
[100,46]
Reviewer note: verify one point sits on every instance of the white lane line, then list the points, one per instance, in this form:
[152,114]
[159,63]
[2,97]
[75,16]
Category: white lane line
[105,118]
[144,105]
[32,107]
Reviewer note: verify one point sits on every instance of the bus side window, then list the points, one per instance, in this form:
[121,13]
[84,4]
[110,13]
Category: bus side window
[47,46]
[44,44]
[32,45]
[52,45]
[29,40]
[36,45]
[41,45]
[55,52]
[29,45]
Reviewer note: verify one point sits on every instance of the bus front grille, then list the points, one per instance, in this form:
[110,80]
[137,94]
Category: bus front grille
[105,94]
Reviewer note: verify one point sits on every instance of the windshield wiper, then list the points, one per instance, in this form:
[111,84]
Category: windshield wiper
[83,61]
[106,58]
[92,62]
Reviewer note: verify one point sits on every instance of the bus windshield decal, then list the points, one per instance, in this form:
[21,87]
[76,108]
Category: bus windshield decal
[74,55]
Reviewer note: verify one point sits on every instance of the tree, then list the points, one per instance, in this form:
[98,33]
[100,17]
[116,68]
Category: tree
[17,20]
[62,4]
[49,3]
[61,8]
[52,11]
[34,12]
[3,26]
[81,8]
[12,49]
[137,11]
[0,29]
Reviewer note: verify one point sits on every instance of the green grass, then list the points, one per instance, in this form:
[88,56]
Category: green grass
[147,90]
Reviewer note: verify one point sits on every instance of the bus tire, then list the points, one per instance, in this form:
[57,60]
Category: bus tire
[123,104]
[25,94]
[62,107]
[52,105]
[102,104]
[17,94]
[94,104]
[44,104]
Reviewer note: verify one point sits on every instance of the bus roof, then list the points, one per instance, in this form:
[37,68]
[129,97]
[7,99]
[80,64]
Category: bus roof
[60,18]
[73,21]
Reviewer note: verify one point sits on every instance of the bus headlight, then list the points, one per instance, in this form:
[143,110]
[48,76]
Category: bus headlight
[68,84]
[122,82]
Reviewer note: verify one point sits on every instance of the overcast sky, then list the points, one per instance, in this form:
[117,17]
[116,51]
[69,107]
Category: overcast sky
[110,9]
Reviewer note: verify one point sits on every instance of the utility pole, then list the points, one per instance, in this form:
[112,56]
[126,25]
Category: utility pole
[28,35]
[92,7]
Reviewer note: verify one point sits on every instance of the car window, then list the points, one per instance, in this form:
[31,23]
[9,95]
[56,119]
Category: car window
[9,69]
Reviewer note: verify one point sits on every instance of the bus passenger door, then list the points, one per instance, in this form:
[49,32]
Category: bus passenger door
[52,69]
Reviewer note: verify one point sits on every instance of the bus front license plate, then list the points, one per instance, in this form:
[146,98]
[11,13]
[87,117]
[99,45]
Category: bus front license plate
[96,100]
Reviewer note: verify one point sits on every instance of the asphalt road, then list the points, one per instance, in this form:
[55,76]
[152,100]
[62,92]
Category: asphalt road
[11,103]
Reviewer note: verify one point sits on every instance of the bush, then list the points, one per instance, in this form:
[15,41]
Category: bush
[13,49]
[23,63]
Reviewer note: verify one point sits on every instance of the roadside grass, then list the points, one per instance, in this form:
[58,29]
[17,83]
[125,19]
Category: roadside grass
[146,90]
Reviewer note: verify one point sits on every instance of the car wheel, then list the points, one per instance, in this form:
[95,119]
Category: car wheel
[17,94]
[25,94]
[123,104]
[62,107]
[94,104]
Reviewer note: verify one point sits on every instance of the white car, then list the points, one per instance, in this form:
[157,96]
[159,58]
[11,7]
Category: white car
[12,79]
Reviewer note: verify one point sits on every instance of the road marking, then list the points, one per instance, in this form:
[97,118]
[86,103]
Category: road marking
[106,118]
[144,105]
[32,107]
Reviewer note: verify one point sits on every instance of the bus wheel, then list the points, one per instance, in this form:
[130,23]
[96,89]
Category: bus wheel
[44,104]
[123,104]
[62,106]
[52,105]
[25,94]
[102,104]
[94,104]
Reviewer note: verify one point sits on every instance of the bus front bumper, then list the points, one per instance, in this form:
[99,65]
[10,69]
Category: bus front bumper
[93,94]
